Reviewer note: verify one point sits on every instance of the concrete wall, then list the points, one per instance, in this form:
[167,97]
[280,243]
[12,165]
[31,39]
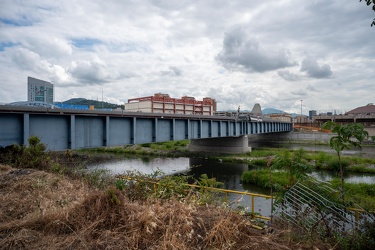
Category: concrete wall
[229,145]
[371,131]
[291,136]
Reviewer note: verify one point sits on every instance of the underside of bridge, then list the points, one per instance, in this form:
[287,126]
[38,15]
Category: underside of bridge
[230,145]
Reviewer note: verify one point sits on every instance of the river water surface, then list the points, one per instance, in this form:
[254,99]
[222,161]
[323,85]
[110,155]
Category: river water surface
[228,173]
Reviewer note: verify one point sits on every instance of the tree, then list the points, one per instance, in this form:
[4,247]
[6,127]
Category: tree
[369,2]
[345,140]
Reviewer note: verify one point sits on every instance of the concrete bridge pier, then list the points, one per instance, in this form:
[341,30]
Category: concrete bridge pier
[230,145]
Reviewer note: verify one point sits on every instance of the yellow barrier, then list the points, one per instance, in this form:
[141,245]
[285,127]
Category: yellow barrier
[226,191]
[253,195]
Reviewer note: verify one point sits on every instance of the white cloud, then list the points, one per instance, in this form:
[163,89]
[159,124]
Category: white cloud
[314,70]
[238,52]
[244,53]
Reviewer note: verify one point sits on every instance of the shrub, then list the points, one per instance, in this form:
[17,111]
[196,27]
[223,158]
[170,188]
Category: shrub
[32,156]
[258,163]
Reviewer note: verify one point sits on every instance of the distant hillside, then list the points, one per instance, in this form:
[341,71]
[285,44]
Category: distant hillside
[267,111]
[96,104]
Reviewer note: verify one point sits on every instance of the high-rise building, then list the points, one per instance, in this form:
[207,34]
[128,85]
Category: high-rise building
[311,114]
[39,90]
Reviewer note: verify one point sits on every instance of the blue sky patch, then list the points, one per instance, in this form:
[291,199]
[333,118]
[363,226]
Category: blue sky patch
[5,45]
[19,22]
[85,43]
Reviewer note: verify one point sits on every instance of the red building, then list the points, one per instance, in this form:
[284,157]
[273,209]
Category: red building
[163,103]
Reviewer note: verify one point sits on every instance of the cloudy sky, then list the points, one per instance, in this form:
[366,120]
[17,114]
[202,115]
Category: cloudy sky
[275,53]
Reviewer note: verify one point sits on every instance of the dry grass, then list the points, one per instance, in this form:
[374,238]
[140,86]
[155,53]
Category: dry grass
[40,210]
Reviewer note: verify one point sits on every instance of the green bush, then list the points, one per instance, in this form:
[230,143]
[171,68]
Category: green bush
[262,178]
[334,164]
[264,152]
[258,163]
[32,156]
[363,239]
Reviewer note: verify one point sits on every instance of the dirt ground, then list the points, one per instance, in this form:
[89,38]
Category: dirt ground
[40,210]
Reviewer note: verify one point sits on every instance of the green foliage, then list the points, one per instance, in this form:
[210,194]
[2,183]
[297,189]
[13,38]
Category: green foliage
[369,2]
[322,159]
[363,239]
[140,186]
[344,140]
[334,164]
[120,184]
[95,103]
[169,145]
[362,194]
[264,152]
[204,181]
[262,178]
[361,169]
[258,163]
[33,156]
[99,178]
[113,197]
[293,164]
[345,134]
[57,168]
[172,187]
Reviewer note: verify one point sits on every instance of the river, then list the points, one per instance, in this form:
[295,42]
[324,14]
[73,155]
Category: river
[228,173]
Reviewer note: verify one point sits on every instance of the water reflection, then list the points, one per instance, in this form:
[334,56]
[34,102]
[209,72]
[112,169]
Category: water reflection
[230,175]
[168,166]
[324,175]
[365,151]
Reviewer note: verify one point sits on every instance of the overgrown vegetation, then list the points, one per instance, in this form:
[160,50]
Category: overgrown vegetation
[58,209]
[289,167]
[78,209]
[40,210]
[167,149]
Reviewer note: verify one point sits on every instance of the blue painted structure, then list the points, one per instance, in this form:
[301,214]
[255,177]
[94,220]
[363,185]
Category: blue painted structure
[63,129]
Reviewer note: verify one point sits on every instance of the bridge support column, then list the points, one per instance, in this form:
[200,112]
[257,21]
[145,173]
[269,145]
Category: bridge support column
[230,145]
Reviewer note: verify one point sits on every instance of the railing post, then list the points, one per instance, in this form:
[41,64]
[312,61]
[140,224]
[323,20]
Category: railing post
[252,204]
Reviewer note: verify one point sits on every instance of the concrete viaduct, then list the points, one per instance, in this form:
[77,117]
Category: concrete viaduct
[63,129]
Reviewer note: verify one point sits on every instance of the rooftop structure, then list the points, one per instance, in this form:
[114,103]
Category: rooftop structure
[369,109]
[280,117]
[163,103]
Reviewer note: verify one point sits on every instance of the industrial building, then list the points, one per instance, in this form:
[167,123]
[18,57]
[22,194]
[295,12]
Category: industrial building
[39,90]
[163,103]
[280,117]
[369,109]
